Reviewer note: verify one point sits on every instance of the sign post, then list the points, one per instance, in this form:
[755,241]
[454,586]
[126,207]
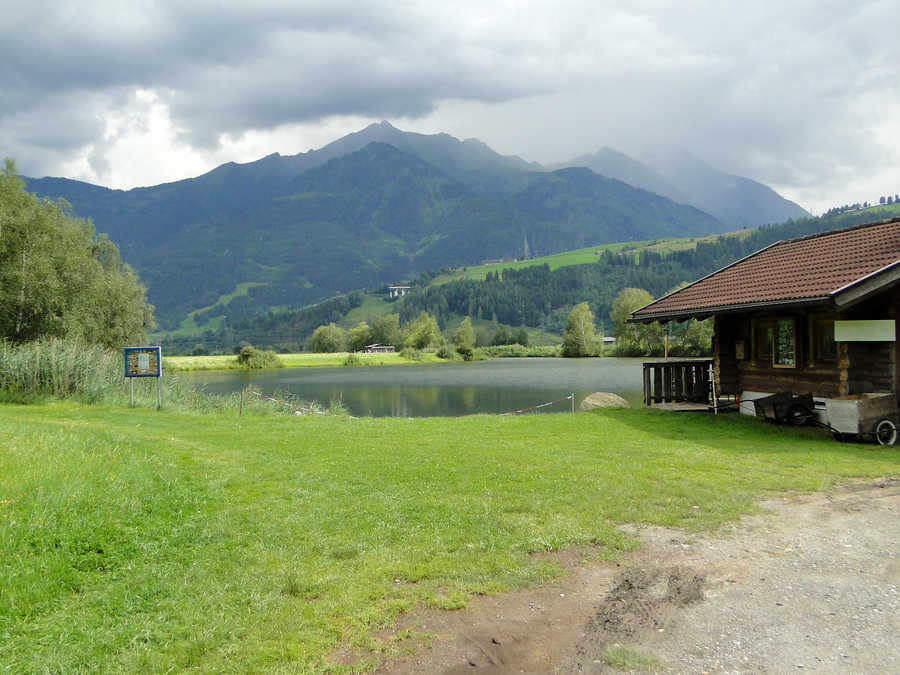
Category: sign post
[144,362]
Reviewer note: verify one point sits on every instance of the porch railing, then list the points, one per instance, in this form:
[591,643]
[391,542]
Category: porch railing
[675,381]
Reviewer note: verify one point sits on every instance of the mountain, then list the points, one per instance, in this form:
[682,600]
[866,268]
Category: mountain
[683,178]
[732,199]
[614,164]
[291,230]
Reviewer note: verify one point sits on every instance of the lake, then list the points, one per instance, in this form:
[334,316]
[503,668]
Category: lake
[442,390]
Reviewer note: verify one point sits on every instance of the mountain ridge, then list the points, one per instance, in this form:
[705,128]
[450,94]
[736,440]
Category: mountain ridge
[302,227]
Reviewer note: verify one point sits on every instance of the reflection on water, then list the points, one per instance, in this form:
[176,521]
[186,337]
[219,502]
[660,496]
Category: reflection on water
[494,386]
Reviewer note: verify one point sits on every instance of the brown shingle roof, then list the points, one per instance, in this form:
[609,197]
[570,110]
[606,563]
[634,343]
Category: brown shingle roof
[804,269]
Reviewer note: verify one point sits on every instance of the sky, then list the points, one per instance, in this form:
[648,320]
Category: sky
[803,96]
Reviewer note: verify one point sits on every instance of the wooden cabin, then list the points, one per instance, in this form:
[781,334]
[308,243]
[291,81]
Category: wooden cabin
[817,314]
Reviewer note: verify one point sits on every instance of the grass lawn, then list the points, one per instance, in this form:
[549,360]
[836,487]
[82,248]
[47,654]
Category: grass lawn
[133,539]
[302,360]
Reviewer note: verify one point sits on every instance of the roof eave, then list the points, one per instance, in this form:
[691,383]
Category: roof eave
[864,287]
[704,312]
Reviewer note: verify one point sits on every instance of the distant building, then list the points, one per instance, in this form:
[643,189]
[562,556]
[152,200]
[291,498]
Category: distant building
[379,349]
[398,291]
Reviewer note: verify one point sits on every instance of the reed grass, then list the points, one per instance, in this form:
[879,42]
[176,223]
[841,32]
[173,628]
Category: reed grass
[56,369]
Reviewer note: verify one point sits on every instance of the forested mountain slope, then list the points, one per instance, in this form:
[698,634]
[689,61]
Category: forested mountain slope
[358,220]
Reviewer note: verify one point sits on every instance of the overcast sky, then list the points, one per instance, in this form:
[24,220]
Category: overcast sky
[801,95]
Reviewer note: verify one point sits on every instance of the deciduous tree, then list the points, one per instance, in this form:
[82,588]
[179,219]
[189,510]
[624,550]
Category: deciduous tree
[422,332]
[328,339]
[633,339]
[59,277]
[579,339]
[359,337]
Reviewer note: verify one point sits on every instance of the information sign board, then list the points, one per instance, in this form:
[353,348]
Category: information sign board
[143,362]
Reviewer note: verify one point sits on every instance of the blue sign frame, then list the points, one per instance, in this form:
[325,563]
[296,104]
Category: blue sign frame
[142,361]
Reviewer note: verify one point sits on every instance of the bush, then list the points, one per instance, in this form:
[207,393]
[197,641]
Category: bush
[517,350]
[466,352]
[446,351]
[252,358]
[352,361]
[411,354]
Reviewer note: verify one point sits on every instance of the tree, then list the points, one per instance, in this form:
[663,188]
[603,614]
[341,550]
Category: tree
[464,337]
[521,336]
[58,277]
[501,337]
[633,339]
[579,338]
[359,337]
[422,332]
[328,339]
[386,329]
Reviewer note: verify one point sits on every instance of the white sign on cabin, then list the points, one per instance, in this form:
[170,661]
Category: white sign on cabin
[872,330]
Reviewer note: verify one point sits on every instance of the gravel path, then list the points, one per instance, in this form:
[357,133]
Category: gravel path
[810,584]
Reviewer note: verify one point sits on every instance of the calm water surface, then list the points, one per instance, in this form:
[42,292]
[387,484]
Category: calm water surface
[442,390]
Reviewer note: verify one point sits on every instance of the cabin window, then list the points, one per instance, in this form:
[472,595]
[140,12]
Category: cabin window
[784,346]
[763,342]
[826,347]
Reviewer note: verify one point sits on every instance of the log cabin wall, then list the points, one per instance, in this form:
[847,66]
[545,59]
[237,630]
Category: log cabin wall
[745,358]
[872,366]
[747,362]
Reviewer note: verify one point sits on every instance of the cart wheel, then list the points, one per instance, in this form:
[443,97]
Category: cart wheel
[886,432]
[798,415]
[839,437]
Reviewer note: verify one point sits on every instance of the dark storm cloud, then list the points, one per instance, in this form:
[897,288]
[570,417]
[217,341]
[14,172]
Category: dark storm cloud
[232,68]
[799,93]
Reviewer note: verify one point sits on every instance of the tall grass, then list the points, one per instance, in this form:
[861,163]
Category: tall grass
[52,368]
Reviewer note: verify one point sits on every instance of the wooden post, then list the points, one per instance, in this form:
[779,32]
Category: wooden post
[647,391]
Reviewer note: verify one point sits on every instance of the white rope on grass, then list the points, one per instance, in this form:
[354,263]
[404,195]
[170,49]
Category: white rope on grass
[542,405]
[298,409]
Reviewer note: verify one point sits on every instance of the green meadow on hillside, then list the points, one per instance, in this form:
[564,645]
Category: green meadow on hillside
[141,540]
[583,255]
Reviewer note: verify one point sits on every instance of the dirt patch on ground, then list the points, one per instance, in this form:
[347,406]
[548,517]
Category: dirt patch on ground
[811,584]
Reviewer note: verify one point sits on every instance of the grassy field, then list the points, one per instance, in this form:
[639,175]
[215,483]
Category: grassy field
[137,540]
[302,360]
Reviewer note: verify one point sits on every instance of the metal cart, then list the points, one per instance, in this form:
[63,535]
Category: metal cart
[872,414]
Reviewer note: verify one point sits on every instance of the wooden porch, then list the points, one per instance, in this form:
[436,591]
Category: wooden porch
[678,384]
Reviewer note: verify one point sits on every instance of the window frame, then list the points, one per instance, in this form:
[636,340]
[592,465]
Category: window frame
[776,352]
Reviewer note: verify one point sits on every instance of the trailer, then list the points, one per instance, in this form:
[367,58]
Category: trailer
[785,407]
[871,414]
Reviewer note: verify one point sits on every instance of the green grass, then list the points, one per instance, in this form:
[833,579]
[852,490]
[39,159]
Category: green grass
[302,360]
[372,306]
[137,540]
[584,255]
[627,659]
[876,212]
[189,326]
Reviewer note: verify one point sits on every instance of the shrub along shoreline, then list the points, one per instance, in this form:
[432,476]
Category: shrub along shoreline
[339,359]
